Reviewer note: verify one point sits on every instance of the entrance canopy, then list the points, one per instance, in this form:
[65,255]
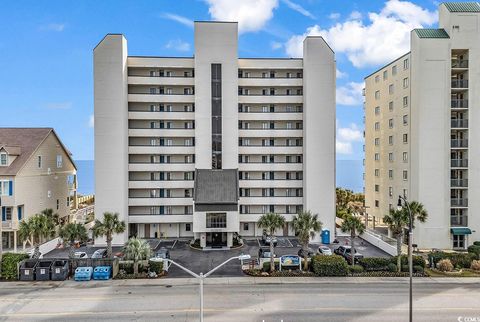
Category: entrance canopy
[460,231]
[216,190]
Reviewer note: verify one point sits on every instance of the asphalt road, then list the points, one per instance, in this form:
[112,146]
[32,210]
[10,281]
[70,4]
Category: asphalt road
[114,301]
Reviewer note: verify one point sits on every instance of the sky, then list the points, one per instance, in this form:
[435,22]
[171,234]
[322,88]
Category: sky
[46,50]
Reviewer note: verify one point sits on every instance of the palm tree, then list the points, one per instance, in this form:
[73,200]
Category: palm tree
[397,220]
[355,227]
[306,225]
[54,216]
[109,226]
[271,222]
[73,232]
[36,229]
[418,213]
[137,250]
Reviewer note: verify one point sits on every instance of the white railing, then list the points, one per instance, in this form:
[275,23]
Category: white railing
[380,241]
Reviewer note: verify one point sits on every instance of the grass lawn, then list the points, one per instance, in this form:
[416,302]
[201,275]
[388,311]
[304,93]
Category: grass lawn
[465,273]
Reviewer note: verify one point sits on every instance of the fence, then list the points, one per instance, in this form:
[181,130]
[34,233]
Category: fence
[94,262]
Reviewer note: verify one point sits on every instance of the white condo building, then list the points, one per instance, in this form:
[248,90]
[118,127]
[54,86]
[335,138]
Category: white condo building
[422,129]
[203,146]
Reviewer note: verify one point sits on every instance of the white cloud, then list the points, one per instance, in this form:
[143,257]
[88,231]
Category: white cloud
[298,8]
[91,121]
[252,15]
[53,27]
[334,16]
[341,74]
[59,106]
[350,94]
[276,45]
[180,19]
[384,37]
[178,45]
[355,15]
[346,137]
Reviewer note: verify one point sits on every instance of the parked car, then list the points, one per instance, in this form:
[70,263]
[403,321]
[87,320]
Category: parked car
[30,254]
[309,251]
[324,250]
[100,253]
[163,253]
[267,239]
[79,255]
[345,252]
[264,253]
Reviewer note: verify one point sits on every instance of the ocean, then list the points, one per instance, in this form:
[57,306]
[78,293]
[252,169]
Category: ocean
[349,175]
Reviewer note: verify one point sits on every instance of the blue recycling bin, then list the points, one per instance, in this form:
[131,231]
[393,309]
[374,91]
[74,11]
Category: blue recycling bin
[83,273]
[326,236]
[102,273]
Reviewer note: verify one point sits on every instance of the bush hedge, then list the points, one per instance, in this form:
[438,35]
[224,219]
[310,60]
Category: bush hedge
[266,266]
[474,249]
[9,264]
[329,266]
[392,267]
[155,266]
[445,265]
[417,260]
[375,263]
[356,269]
[459,260]
[476,243]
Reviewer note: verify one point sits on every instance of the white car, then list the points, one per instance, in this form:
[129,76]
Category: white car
[100,253]
[80,255]
[324,250]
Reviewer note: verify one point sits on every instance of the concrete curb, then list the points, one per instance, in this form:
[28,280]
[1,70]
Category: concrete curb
[245,281]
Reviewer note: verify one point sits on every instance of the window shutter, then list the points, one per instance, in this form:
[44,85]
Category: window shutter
[19,211]
[4,214]
[10,188]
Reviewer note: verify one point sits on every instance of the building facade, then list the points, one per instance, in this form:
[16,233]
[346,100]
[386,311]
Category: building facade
[36,173]
[202,146]
[420,129]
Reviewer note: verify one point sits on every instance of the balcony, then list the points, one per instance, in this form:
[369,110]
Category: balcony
[459,63]
[161,98]
[458,221]
[157,80]
[270,99]
[459,183]
[173,115]
[459,202]
[459,83]
[10,225]
[459,103]
[459,143]
[459,163]
[457,124]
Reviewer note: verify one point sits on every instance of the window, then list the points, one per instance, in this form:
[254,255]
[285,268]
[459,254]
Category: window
[377,203]
[377,126]
[377,95]
[5,188]
[377,141]
[390,140]
[405,138]
[377,156]
[385,75]
[377,172]
[390,123]
[390,89]
[394,70]
[405,156]
[459,241]
[405,175]
[390,191]
[390,174]
[405,101]
[3,159]
[377,188]
[59,161]
[377,79]
[405,119]
[377,110]
[8,213]
[390,156]
[390,106]
[217,220]
[245,226]
[58,204]
[405,82]
[188,227]
[405,63]
[39,161]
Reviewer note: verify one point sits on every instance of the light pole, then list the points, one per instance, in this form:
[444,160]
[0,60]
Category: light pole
[202,276]
[410,256]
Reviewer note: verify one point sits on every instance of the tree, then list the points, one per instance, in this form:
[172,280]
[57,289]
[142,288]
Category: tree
[396,221]
[109,226]
[136,250]
[306,225]
[71,233]
[35,229]
[52,215]
[355,227]
[418,213]
[271,222]
[344,199]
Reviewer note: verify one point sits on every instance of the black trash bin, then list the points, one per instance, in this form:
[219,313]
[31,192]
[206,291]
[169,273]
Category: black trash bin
[60,270]
[27,270]
[42,271]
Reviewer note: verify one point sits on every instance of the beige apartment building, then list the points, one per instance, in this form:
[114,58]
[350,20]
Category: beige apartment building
[201,147]
[36,173]
[421,129]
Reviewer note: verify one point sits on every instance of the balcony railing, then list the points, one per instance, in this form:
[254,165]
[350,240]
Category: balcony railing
[459,123]
[459,63]
[459,202]
[158,75]
[459,163]
[460,83]
[459,143]
[459,103]
[459,183]
[459,221]
[10,224]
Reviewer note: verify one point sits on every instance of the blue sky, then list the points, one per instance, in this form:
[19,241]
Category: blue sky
[46,50]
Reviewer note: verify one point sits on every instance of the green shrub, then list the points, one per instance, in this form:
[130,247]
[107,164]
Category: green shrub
[418,269]
[392,267]
[127,267]
[9,264]
[266,266]
[476,243]
[445,265]
[405,268]
[356,269]
[375,263]
[474,249]
[155,266]
[329,265]
[459,260]
[417,260]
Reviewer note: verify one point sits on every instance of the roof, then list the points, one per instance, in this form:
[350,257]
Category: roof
[460,231]
[385,66]
[462,6]
[24,141]
[216,186]
[431,33]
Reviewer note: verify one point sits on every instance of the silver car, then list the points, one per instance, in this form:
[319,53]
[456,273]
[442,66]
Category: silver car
[324,250]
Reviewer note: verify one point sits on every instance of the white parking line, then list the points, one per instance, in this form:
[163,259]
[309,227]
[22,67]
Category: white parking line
[291,245]
[174,243]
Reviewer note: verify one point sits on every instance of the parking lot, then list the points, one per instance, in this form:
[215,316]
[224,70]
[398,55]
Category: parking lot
[203,261]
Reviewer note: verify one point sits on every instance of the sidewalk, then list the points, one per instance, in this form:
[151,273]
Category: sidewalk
[247,281]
